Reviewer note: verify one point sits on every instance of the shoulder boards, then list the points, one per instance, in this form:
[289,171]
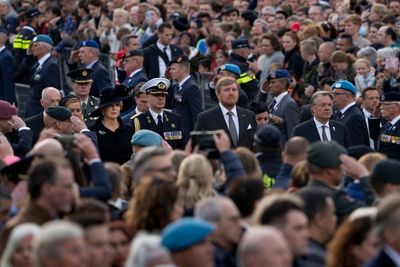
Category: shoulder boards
[136,115]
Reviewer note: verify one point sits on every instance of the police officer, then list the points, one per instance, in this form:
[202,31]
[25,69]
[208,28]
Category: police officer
[157,119]
[388,136]
[81,84]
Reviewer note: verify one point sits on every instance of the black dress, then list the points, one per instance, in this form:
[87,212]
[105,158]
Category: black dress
[114,146]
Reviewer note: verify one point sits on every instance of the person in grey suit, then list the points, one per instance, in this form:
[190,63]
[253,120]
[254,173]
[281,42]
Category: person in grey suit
[283,106]
[238,123]
[320,127]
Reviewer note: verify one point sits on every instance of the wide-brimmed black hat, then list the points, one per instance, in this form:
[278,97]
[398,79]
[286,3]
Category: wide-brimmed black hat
[111,95]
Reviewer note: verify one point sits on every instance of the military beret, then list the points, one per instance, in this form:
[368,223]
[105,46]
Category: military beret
[240,43]
[133,53]
[81,75]
[387,170]
[345,85]
[268,136]
[325,154]
[391,97]
[7,110]
[4,30]
[181,23]
[359,151]
[43,38]
[179,59]
[156,86]
[59,113]
[89,43]
[231,68]
[32,12]
[278,74]
[185,233]
[146,138]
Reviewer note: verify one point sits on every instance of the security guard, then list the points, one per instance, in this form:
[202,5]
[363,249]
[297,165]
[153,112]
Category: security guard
[157,119]
[388,136]
[81,84]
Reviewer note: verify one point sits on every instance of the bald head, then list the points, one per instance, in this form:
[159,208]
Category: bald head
[325,51]
[49,147]
[264,246]
[50,97]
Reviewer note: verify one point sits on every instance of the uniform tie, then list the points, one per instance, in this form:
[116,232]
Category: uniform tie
[272,106]
[84,109]
[159,123]
[232,128]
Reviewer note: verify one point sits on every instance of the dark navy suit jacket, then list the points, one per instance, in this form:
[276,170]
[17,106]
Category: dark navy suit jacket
[131,82]
[46,76]
[354,119]
[150,62]
[309,131]
[7,72]
[36,124]
[380,260]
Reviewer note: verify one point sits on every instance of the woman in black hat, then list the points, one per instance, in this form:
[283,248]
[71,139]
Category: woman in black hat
[113,136]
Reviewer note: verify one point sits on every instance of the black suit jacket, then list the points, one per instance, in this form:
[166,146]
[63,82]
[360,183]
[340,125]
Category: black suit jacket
[150,62]
[131,82]
[7,71]
[213,119]
[48,75]
[388,138]
[380,260]
[354,119]
[309,131]
[36,124]
[171,127]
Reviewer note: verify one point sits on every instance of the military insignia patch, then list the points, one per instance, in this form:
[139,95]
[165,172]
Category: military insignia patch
[161,86]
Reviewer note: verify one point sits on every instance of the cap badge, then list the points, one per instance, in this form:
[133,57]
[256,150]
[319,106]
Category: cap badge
[161,86]
[84,73]
[338,85]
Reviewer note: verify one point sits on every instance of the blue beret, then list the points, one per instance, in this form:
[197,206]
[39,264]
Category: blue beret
[89,43]
[59,113]
[231,68]
[344,85]
[240,43]
[278,74]
[391,97]
[268,136]
[43,38]
[156,86]
[146,138]
[185,233]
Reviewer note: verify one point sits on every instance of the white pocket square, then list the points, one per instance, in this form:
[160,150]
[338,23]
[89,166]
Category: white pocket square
[249,127]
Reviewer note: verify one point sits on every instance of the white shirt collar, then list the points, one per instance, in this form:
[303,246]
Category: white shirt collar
[183,81]
[154,115]
[91,64]
[395,120]
[393,255]
[367,114]
[136,71]
[43,59]
[161,46]
[2,48]
[343,110]
[225,110]
[319,124]
[278,98]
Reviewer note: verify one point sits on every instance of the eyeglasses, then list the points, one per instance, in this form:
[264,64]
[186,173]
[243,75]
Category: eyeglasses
[337,93]
[280,18]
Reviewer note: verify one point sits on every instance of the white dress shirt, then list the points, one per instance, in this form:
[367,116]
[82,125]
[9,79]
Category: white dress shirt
[343,110]
[162,66]
[366,116]
[155,115]
[234,117]
[183,81]
[279,98]
[319,128]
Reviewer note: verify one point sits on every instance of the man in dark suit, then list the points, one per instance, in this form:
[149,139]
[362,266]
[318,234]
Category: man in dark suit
[187,100]
[157,56]
[81,83]
[142,104]
[50,98]
[349,113]
[7,69]
[132,62]
[156,119]
[238,123]
[320,127]
[88,54]
[282,106]
[388,137]
[387,224]
[45,73]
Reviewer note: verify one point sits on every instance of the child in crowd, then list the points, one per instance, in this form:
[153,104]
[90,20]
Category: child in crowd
[365,75]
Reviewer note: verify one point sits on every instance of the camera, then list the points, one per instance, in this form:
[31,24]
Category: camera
[205,141]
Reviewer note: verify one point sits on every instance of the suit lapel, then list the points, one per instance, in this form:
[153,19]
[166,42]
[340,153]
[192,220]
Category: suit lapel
[332,128]
[314,131]
[243,123]
[221,120]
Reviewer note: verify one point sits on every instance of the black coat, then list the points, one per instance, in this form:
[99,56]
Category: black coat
[171,131]
[309,131]
[7,71]
[380,260]
[132,82]
[294,63]
[36,124]
[46,76]
[354,119]
[213,119]
[388,138]
[150,62]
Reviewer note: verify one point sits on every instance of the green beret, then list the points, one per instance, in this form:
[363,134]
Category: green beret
[387,171]
[325,155]
[59,113]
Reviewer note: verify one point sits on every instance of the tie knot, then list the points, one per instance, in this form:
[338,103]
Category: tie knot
[159,117]
[230,113]
[324,126]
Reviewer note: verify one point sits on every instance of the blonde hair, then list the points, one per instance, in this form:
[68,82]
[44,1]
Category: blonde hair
[195,180]
[380,9]
[362,61]
[371,159]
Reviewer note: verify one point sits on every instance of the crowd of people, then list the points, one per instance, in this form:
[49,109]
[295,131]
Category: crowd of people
[249,133]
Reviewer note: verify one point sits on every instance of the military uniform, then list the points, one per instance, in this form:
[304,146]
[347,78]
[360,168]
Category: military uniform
[167,124]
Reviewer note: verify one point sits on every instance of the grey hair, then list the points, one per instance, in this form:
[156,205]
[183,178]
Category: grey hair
[209,209]
[142,163]
[17,234]
[53,235]
[387,52]
[48,90]
[318,94]
[368,52]
[144,249]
